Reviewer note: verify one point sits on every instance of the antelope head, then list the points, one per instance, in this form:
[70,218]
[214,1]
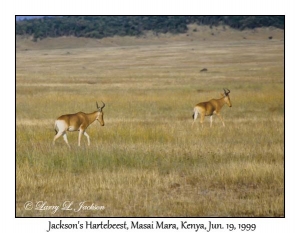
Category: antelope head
[226,97]
[100,115]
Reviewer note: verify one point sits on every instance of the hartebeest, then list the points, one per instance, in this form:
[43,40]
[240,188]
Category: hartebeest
[211,107]
[77,122]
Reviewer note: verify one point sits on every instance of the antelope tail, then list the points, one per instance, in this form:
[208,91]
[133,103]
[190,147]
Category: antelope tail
[195,114]
[55,128]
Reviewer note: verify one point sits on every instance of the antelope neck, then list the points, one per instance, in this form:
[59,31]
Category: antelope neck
[92,116]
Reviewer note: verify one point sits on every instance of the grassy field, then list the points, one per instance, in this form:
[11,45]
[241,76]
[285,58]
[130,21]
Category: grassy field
[148,160]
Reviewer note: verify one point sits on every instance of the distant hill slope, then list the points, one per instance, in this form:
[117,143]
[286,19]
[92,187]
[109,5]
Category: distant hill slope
[195,34]
[108,26]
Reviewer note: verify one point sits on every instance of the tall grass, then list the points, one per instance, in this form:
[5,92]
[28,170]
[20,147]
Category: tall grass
[148,160]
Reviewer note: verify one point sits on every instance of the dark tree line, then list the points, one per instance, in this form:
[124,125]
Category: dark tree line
[106,26]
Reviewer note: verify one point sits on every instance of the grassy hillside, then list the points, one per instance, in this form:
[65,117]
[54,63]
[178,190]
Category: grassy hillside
[148,160]
[195,34]
[108,26]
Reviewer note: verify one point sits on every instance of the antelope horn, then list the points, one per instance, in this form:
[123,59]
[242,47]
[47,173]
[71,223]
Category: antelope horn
[97,105]
[226,92]
[103,105]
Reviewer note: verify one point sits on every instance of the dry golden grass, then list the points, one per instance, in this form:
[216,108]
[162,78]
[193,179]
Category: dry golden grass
[148,160]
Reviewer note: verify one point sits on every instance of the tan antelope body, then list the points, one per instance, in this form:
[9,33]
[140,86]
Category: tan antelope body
[211,107]
[77,122]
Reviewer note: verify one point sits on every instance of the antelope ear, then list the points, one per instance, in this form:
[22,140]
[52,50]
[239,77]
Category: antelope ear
[222,94]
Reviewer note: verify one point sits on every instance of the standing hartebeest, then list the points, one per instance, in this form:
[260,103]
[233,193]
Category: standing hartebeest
[77,122]
[211,107]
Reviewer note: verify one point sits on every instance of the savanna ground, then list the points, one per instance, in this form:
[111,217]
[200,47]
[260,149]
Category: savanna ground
[148,160]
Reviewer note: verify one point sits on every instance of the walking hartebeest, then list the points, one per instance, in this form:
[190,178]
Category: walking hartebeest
[77,122]
[211,107]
